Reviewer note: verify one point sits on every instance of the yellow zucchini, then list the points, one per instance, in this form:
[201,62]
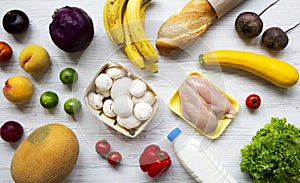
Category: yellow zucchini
[278,72]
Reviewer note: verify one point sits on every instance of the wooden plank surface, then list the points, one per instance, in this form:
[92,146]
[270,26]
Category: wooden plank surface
[90,167]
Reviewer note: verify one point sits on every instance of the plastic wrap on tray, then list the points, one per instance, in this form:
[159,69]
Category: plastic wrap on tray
[204,105]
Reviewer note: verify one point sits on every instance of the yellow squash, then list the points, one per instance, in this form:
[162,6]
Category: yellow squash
[278,72]
[47,155]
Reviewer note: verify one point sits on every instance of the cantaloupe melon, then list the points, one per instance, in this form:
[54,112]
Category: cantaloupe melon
[48,154]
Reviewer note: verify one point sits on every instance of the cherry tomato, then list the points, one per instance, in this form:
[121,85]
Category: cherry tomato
[114,158]
[253,101]
[102,147]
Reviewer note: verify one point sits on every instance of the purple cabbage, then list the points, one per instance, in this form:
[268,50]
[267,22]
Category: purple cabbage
[71,29]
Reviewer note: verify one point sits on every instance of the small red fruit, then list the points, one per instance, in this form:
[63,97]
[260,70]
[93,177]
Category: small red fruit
[11,131]
[253,101]
[114,158]
[102,147]
[5,52]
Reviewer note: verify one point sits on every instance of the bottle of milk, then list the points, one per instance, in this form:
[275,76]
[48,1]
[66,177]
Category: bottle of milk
[198,162]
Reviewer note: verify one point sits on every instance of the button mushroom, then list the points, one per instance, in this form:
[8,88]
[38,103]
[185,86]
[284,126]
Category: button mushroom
[95,100]
[137,88]
[123,106]
[142,111]
[103,82]
[148,97]
[105,94]
[108,108]
[120,87]
[115,72]
[128,122]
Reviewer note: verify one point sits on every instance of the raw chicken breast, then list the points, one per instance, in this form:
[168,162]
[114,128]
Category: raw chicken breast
[196,110]
[203,104]
[217,101]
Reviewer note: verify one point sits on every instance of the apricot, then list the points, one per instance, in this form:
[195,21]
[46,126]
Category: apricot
[18,89]
[5,52]
[34,59]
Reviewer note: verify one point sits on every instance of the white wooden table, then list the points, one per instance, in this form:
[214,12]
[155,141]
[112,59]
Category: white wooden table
[91,167]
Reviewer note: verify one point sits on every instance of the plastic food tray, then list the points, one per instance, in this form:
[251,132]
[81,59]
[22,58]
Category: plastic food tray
[174,105]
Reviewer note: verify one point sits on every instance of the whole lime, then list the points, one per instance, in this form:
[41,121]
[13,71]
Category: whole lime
[72,106]
[49,99]
[68,76]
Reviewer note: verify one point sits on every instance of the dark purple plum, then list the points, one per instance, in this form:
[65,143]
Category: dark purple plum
[11,131]
[71,29]
[15,21]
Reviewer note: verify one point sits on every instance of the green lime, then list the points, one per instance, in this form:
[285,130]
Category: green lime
[68,76]
[72,106]
[49,99]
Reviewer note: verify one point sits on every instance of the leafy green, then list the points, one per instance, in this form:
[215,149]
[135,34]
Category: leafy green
[274,153]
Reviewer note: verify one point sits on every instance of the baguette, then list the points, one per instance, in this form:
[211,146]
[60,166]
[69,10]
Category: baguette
[181,28]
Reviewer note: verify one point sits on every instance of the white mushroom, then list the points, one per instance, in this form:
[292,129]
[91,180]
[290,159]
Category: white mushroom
[115,72]
[108,108]
[103,82]
[137,88]
[123,106]
[128,122]
[95,100]
[142,111]
[148,97]
[105,94]
[120,87]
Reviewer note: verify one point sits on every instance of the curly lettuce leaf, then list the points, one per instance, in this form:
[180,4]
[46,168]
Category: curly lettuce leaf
[274,153]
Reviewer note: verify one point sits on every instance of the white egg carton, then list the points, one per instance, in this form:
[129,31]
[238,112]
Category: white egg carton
[138,103]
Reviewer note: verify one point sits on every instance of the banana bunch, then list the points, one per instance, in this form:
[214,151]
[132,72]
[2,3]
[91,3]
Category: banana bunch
[124,25]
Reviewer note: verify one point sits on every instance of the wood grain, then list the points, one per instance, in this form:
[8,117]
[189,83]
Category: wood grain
[221,35]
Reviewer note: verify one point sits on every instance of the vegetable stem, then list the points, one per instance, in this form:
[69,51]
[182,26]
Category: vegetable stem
[201,60]
[268,7]
[292,28]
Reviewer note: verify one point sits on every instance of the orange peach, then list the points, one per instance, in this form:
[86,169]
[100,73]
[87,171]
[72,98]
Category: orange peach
[18,89]
[5,52]
[34,59]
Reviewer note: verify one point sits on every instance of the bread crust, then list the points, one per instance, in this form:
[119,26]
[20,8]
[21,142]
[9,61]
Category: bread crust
[181,28]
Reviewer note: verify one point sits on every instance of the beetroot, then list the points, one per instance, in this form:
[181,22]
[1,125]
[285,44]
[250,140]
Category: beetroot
[71,29]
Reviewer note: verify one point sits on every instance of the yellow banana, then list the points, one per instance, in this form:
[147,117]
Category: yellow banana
[149,65]
[145,4]
[153,67]
[106,24]
[117,28]
[137,32]
[129,48]
[112,18]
